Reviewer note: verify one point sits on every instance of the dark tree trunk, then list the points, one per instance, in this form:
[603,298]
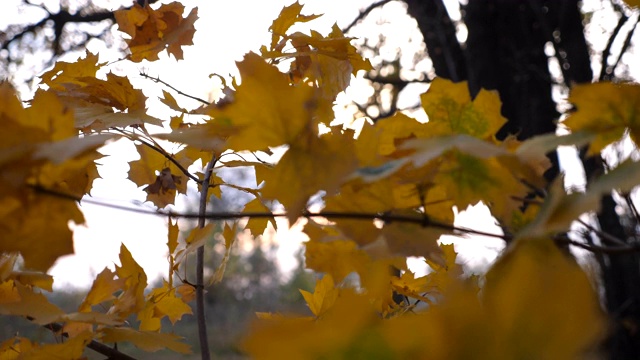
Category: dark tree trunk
[505,52]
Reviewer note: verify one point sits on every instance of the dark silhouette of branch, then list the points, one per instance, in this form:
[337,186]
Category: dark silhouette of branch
[364,14]
[157,80]
[605,69]
[386,217]
[396,81]
[161,151]
[625,45]
[96,346]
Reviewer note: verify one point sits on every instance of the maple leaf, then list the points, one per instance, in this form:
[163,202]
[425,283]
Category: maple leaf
[451,110]
[160,188]
[308,167]
[267,110]
[607,110]
[412,240]
[408,285]
[73,348]
[229,235]
[560,209]
[103,288]
[131,300]
[324,296]
[93,100]
[18,299]
[564,324]
[165,303]
[153,31]
[289,15]
[337,258]
[258,225]
[146,340]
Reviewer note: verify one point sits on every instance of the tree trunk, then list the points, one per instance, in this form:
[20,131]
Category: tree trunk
[505,51]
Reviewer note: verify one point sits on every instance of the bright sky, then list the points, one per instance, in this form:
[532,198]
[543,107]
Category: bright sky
[226,31]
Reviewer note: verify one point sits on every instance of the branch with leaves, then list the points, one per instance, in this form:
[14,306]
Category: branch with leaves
[387,193]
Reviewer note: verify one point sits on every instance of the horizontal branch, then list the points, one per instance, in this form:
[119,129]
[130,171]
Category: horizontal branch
[386,217]
[96,346]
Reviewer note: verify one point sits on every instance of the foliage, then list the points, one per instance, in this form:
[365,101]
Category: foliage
[388,193]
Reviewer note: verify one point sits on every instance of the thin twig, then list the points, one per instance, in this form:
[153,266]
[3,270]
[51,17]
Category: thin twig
[625,45]
[604,70]
[161,151]
[364,13]
[157,80]
[96,346]
[602,234]
[335,215]
[200,311]
[597,248]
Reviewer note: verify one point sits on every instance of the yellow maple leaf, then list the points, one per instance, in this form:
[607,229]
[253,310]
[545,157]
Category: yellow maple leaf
[566,318]
[73,348]
[323,297]
[607,110]
[451,110]
[153,31]
[409,239]
[267,110]
[150,341]
[289,15]
[22,300]
[257,225]
[103,288]
[93,100]
[165,303]
[337,258]
[408,285]
[160,187]
[307,167]
[131,300]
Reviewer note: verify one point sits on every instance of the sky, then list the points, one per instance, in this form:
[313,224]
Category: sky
[225,32]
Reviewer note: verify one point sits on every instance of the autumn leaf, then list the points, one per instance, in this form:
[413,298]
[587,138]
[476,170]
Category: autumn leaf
[560,209]
[103,288]
[336,258]
[166,303]
[18,299]
[73,348]
[308,167]
[413,240]
[606,110]
[153,31]
[132,299]
[452,111]
[288,16]
[323,297]
[258,225]
[562,325]
[267,110]
[150,341]
[161,187]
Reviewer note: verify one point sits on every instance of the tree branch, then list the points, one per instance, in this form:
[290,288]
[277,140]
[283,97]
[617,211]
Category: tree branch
[157,80]
[96,346]
[200,311]
[364,13]
[605,71]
